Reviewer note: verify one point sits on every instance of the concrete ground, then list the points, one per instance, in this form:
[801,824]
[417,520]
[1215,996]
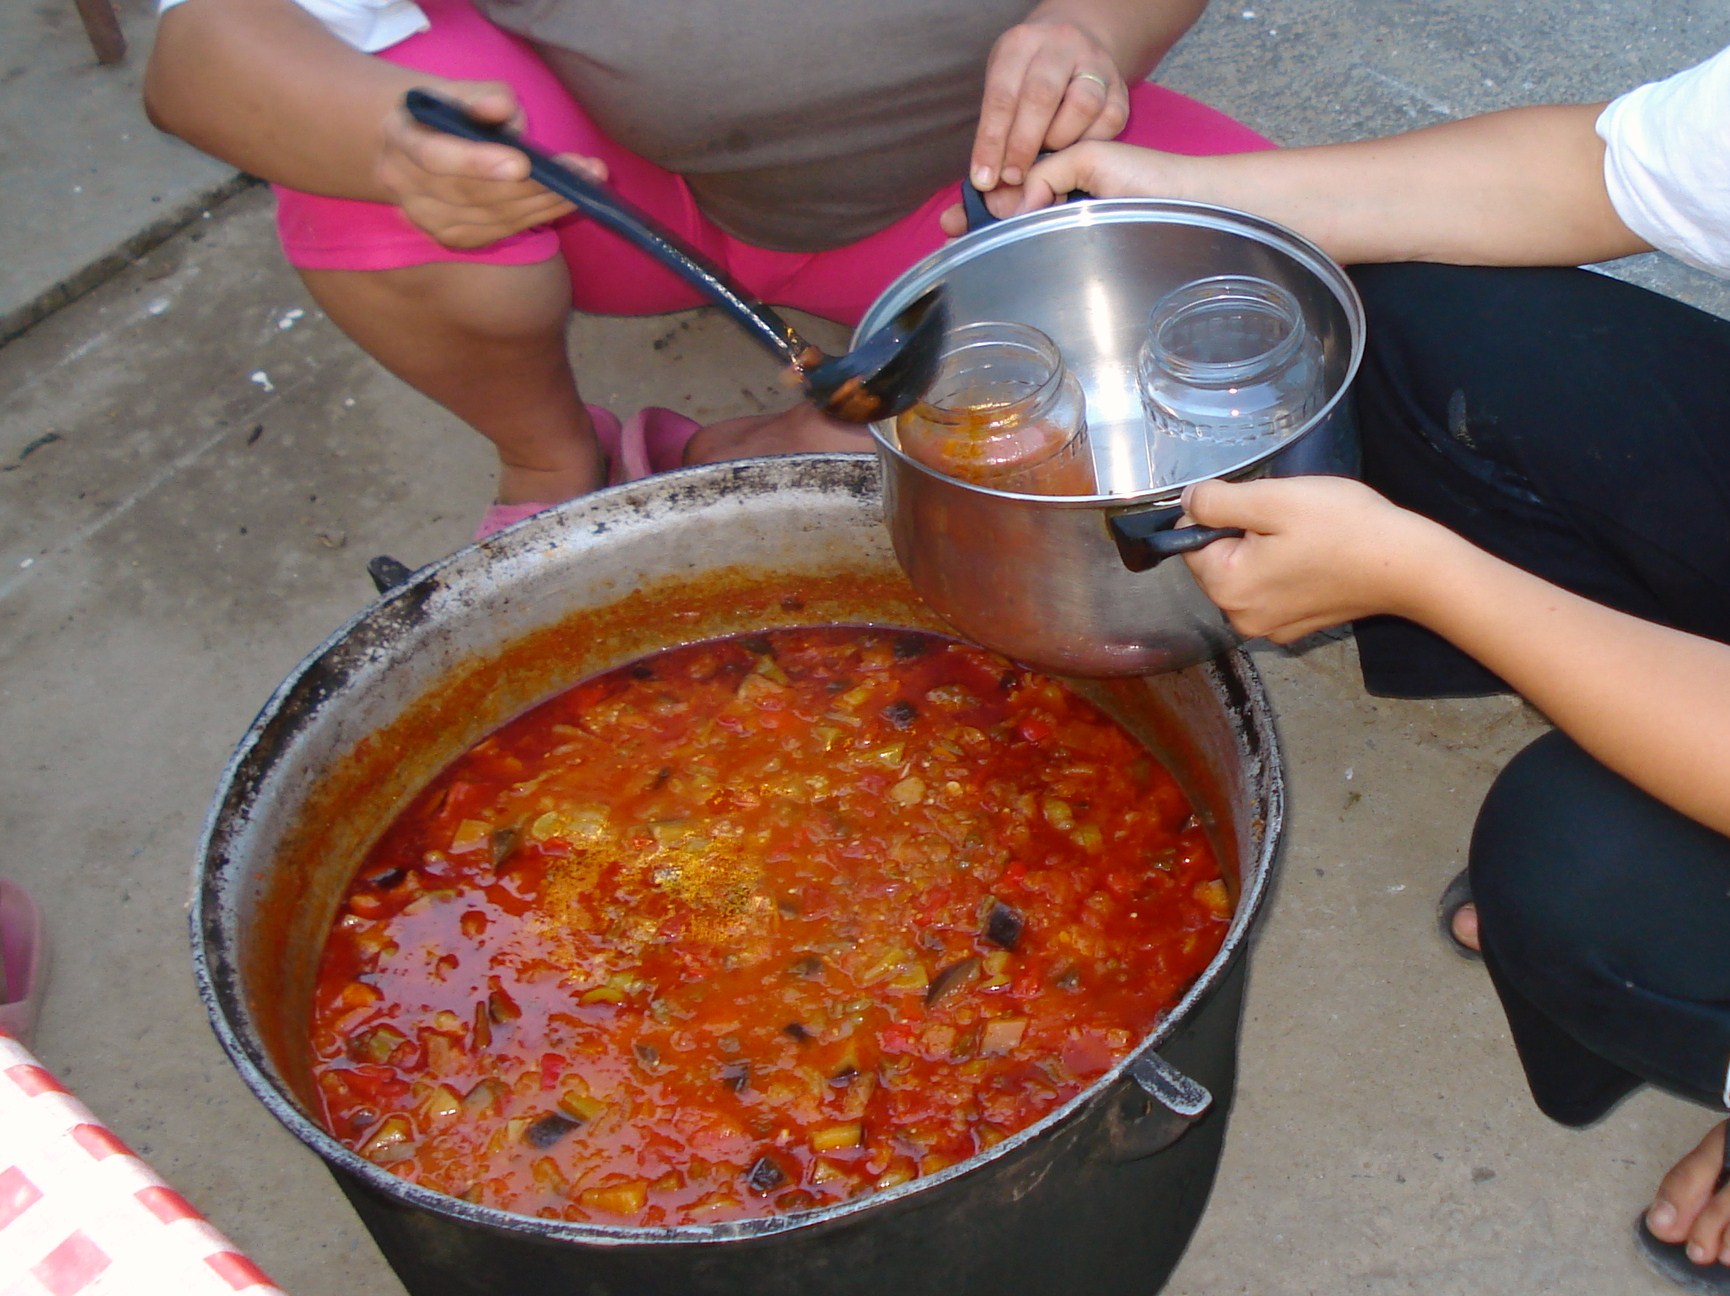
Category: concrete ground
[195,467]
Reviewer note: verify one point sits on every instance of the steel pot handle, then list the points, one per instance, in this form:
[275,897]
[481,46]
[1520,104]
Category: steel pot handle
[1148,537]
[1157,1112]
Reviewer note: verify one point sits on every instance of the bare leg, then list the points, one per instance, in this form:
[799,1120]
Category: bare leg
[799,430]
[1687,1209]
[488,343]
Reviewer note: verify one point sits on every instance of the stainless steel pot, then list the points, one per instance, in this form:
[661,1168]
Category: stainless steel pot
[1104,1190]
[1076,584]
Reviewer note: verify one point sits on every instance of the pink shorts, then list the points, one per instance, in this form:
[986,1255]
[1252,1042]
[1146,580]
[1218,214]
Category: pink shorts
[610,277]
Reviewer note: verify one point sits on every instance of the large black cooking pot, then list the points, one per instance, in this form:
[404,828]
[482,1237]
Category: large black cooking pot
[1100,1196]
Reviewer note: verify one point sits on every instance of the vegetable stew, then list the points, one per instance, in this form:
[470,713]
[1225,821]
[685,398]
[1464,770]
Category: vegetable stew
[756,925]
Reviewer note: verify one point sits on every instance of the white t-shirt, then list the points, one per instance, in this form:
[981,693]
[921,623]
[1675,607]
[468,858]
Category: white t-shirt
[1667,163]
[368,25]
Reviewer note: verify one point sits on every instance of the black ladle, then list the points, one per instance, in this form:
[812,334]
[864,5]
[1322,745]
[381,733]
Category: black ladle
[878,379]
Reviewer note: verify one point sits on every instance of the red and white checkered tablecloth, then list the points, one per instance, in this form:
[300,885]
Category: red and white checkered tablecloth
[80,1213]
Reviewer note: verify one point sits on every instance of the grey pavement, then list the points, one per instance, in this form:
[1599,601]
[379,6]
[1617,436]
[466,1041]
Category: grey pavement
[195,466]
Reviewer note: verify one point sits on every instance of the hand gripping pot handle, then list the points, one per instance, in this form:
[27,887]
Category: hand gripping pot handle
[979,215]
[1147,537]
[1155,1112]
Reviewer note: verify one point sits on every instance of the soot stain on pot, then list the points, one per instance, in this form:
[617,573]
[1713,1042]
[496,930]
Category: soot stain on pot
[322,681]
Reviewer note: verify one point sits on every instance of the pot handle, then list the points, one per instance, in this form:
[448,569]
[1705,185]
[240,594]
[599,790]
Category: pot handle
[387,573]
[979,215]
[1156,1112]
[1147,537]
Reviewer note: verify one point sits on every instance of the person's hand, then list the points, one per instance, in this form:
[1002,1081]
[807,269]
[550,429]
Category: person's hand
[1318,551]
[1098,168]
[462,193]
[1047,84]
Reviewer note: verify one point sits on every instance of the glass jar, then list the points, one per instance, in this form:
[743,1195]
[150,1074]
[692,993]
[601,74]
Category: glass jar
[1004,412]
[1228,362]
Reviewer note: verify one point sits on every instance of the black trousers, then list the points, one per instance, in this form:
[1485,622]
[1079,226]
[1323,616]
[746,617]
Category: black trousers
[1580,428]
[1605,922]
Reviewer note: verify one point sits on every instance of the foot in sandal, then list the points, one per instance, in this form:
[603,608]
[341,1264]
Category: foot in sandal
[1685,1233]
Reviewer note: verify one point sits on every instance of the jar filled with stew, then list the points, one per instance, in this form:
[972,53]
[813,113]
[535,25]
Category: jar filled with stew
[1004,412]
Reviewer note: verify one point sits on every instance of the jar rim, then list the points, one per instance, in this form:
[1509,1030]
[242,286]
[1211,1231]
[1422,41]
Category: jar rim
[975,344]
[1245,294]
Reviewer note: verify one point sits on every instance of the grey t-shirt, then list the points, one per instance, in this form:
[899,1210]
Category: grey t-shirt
[801,125]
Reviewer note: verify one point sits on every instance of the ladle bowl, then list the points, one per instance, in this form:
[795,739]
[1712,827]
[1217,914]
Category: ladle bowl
[884,375]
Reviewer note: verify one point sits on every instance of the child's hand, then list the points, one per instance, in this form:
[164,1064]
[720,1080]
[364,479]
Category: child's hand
[1319,551]
[1098,168]
[462,193]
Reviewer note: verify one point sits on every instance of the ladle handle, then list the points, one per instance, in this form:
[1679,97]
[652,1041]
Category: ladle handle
[1147,538]
[607,208]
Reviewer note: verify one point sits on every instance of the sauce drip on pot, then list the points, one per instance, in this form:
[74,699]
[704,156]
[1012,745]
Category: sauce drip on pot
[758,925]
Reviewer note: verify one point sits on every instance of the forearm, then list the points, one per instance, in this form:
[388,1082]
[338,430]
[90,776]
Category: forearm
[1523,187]
[1651,703]
[1137,33]
[263,86]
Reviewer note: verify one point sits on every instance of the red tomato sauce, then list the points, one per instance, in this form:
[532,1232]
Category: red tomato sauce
[757,925]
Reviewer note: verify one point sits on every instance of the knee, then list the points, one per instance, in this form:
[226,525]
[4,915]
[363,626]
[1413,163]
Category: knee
[487,303]
[1545,873]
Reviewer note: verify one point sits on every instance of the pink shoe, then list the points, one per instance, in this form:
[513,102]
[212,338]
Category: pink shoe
[654,441]
[499,516]
[607,434]
[23,961]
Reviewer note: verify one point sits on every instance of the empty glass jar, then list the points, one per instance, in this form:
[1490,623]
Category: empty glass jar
[1228,362]
[1005,412]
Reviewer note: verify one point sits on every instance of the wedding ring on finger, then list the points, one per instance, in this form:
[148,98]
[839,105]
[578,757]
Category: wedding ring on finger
[1094,77]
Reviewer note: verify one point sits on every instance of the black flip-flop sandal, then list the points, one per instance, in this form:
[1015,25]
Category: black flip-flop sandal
[1455,897]
[1671,1258]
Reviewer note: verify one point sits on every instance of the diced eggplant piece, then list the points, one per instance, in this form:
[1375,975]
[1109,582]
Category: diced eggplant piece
[580,1107]
[832,1138]
[736,1075]
[758,644]
[1002,925]
[764,1176]
[549,1129]
[376,1045]
[798,1031]
[909,646]
[901,713]
[487,1096]
[957,976]
[808,966]
[1002,1035]
[620,1199]
[504,842]
[393,1141]
[648,1056]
